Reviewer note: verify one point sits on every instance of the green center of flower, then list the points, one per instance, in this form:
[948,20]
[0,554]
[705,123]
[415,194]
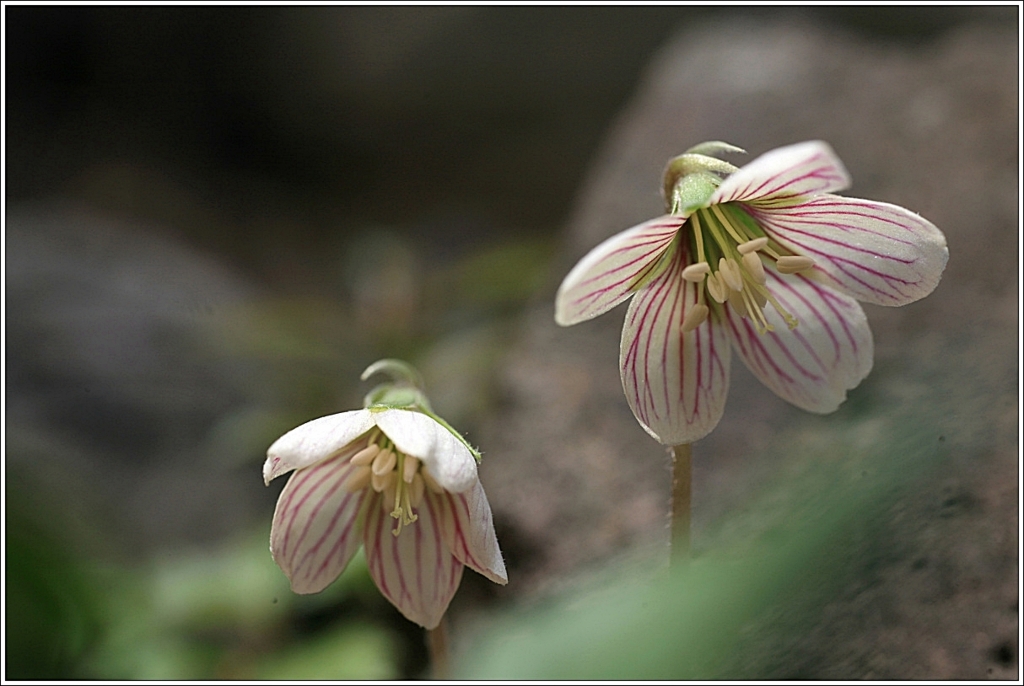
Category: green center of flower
[730,248]
[398,477]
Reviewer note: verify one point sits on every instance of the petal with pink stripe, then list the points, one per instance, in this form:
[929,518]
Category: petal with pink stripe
[675,382]
[414,570]
[313,441]
[785,176]
[468,531]
[610,273]
[316,525]
[877,252]
[813,365]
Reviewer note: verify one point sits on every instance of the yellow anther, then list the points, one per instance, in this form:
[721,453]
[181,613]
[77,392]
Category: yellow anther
[752,263]
[730,271]
[696,272]
[695,316]
[366,455]
[410,468]
[717,288]
[382,481]
[358,479]
[791,264]
[752,246]
[384,462]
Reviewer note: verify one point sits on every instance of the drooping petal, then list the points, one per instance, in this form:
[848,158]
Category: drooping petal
[316,528]
[675,382]
[414,570]
[608,274]
[813,365]
[784,176]
[877,252]
[468,531]
[314,441]
[446,457]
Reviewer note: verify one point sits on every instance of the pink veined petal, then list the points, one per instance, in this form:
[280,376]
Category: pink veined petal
[608,274]
[313,441]
[414,570]
[675,383]
[877,252]
[468,531]
[813,365]
[316,524]
[785,176]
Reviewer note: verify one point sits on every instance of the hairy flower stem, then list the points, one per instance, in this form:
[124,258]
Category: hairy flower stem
[681,490]
[437,644]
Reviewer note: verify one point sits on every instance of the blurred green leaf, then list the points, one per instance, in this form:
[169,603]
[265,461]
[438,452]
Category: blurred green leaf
[349,652]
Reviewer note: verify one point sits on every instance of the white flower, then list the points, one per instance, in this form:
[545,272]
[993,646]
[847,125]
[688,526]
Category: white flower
[396,481]
[766,261]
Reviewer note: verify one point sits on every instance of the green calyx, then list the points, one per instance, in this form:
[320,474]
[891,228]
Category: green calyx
[691,178]
[404,392]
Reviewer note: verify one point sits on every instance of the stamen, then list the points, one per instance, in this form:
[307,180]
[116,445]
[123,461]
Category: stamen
[390,497]
[696,272]
[730,271]
[717,288]
[366,455]
[752,246]
[384,462]
[382,481]
[695,316]
[791,264]
[736,302]
[752,262]
[756,311]
[726,224]
[698,236]
[410,468]
[358,479]
[416,489]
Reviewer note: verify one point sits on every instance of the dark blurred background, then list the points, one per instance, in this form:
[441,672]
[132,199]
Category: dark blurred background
[216,217]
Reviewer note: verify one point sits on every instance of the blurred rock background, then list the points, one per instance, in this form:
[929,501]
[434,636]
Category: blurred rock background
[217,217]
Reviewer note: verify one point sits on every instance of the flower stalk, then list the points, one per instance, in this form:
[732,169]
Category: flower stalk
[682,490]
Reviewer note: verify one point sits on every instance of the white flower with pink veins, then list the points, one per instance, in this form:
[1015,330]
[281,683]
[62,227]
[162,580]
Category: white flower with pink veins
[395,480]
[763,259]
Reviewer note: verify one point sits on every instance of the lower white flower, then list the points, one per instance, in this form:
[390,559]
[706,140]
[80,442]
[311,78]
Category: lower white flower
[400,483]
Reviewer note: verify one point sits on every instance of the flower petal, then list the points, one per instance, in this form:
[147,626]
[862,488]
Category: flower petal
[784,176]
[414,570]
[468,531]
[813,365]
[316,524]
[446,457]
[314,441]
[877,252]
[675,382]
[608,274]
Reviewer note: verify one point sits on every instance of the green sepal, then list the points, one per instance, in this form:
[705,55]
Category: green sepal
[405,393]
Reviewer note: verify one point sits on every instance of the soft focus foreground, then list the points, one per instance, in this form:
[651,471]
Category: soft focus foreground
[168,318]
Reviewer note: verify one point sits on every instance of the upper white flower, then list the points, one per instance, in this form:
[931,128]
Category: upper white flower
[767,261]
[395,480]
